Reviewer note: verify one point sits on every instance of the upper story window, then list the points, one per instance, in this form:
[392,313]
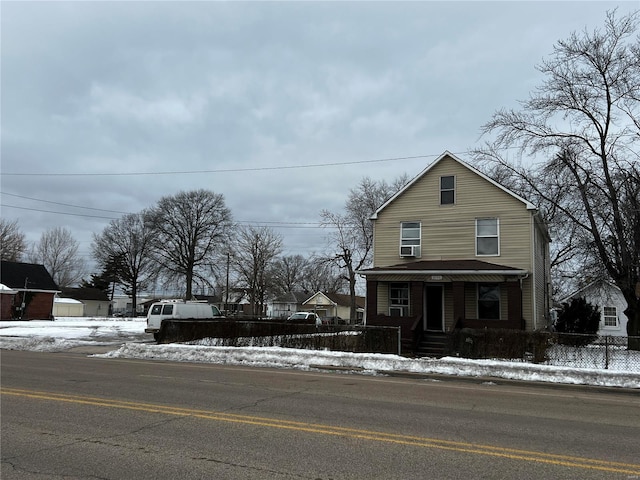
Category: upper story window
[410,234]
[487,236]
[610,316]
[447,190]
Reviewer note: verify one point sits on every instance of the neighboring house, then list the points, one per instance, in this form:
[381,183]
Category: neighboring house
[455,249]
[96,302]
[236,303]
[67,307]
[122,305]
[611,303]
[34,291]
[333,305]
[285,305]
[6,301]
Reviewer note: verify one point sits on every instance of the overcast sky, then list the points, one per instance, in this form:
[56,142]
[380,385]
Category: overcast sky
[281,107]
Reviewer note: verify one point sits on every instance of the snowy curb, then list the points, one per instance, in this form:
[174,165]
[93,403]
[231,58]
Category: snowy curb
[375,363]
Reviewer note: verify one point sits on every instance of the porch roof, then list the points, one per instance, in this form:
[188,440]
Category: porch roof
[445,267]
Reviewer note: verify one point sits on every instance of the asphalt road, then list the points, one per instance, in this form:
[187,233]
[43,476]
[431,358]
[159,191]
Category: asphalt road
[66,415]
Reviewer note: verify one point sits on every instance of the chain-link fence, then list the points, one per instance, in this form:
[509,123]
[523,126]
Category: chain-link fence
[604,352]
[560,349]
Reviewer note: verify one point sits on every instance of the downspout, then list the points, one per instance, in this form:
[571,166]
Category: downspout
[521,279]
[534,290]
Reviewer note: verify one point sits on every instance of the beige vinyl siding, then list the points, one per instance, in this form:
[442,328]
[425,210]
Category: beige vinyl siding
[448,231]
[383,298]
[542,279]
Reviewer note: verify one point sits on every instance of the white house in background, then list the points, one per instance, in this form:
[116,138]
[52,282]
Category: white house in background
[67,307]
[123,305]
[611,302]
[286,305]
[95,301]
[334,306]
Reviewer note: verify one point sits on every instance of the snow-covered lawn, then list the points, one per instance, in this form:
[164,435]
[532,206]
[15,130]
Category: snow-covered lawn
[125,338]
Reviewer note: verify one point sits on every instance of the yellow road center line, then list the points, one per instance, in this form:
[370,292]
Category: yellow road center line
[488,450]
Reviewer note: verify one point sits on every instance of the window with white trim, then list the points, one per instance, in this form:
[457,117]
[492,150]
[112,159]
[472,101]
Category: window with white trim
[399,299]
[487,237]
[610,317]
[489,302]
[447,190]
[410,235]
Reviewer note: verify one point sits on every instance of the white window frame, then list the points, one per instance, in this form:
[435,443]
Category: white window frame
[401,307]
[411,241]
[443,190]
[495,235]
[613,313]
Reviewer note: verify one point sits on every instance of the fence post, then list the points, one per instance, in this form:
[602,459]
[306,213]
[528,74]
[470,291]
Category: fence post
[399,341]
[606,352]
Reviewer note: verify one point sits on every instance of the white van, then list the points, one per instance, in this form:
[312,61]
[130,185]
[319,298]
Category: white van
[172,310]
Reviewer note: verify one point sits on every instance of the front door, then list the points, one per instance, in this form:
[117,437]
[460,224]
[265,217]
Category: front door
[434,318]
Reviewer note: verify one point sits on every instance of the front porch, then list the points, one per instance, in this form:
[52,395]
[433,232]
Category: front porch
[436,309]
[429,298]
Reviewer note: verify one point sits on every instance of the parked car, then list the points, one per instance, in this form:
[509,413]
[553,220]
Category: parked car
[174,310]
[305,317]
[333,321]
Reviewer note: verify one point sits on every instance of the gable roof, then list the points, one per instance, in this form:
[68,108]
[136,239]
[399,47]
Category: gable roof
[85,293]
[26,276]
[344,299]
[598,284]
[292,297]
[447,154]
[341,299]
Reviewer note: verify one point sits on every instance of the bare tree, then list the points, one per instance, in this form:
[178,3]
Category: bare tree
[57,250]
[322,275]
[125,246]
[12,241]
[288,273]
[351,233]
[254,252]
[189,229]
[583,121]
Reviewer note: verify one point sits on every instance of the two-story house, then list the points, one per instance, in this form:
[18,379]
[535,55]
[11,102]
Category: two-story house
[455,249]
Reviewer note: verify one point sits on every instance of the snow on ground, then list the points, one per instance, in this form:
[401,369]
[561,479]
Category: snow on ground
[125,338]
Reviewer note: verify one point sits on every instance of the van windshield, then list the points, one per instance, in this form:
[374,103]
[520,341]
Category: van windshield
[215,311]
[156,309]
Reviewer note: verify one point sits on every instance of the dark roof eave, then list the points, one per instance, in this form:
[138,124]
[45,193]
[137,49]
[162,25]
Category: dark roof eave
[515,273]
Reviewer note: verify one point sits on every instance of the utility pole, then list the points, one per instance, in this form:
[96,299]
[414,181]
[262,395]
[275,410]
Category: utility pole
[226,290]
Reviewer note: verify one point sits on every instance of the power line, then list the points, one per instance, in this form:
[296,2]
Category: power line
[58,213]
[248,222]
[62,204]
[229,170]
[257,224]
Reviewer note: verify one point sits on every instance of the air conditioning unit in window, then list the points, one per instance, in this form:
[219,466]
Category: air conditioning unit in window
[410,251]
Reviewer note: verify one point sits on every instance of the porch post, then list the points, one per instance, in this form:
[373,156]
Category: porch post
[458,303]
[371,309]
